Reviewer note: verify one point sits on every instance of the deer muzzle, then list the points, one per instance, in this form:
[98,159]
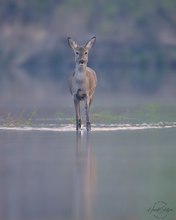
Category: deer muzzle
[81,62]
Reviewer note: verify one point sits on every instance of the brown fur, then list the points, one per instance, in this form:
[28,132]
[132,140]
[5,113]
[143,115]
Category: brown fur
[83,81]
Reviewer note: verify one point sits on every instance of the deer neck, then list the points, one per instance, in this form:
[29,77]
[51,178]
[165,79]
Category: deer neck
[80,70]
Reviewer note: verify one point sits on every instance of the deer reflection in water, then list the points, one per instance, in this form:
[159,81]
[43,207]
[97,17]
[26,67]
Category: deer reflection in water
[85,177]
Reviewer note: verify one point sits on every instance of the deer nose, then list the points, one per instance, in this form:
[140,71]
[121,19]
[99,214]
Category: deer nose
[81,61]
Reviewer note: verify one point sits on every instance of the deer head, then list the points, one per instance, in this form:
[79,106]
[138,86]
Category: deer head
[81,52]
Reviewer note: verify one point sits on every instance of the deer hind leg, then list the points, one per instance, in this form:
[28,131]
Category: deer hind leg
[77,111]
[87,111]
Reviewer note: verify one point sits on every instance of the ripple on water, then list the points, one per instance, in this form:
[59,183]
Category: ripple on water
[95,127]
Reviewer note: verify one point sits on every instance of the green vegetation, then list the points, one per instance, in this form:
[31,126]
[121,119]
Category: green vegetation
[105,117]
[21,120]
[60,115]
[139,114]
[149,113]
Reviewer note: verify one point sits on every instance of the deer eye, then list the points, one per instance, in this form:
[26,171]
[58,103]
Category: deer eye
[77,52]
[86,53]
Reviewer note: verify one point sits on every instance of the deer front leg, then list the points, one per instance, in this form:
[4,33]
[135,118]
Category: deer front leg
[87,108]
[77,111]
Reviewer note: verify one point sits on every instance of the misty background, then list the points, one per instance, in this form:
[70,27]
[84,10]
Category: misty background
[134,56]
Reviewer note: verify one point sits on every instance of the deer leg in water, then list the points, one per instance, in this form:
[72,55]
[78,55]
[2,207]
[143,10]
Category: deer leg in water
[77,111]
[87,109]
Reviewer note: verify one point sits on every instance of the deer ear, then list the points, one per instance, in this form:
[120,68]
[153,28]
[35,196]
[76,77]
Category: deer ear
[90,43]
[72,43]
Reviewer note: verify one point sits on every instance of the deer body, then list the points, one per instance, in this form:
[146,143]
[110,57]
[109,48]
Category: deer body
[82,82]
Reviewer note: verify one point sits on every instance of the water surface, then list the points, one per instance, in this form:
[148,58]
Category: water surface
[116,172]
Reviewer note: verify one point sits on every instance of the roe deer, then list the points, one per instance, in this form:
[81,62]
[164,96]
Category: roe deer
[83,81]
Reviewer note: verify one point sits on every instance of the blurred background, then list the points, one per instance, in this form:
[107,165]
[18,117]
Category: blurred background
[115,175]
[134,57]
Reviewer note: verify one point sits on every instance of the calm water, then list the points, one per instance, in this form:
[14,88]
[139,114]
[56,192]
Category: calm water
[49,174]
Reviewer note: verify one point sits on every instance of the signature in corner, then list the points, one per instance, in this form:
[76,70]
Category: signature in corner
[159,210]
